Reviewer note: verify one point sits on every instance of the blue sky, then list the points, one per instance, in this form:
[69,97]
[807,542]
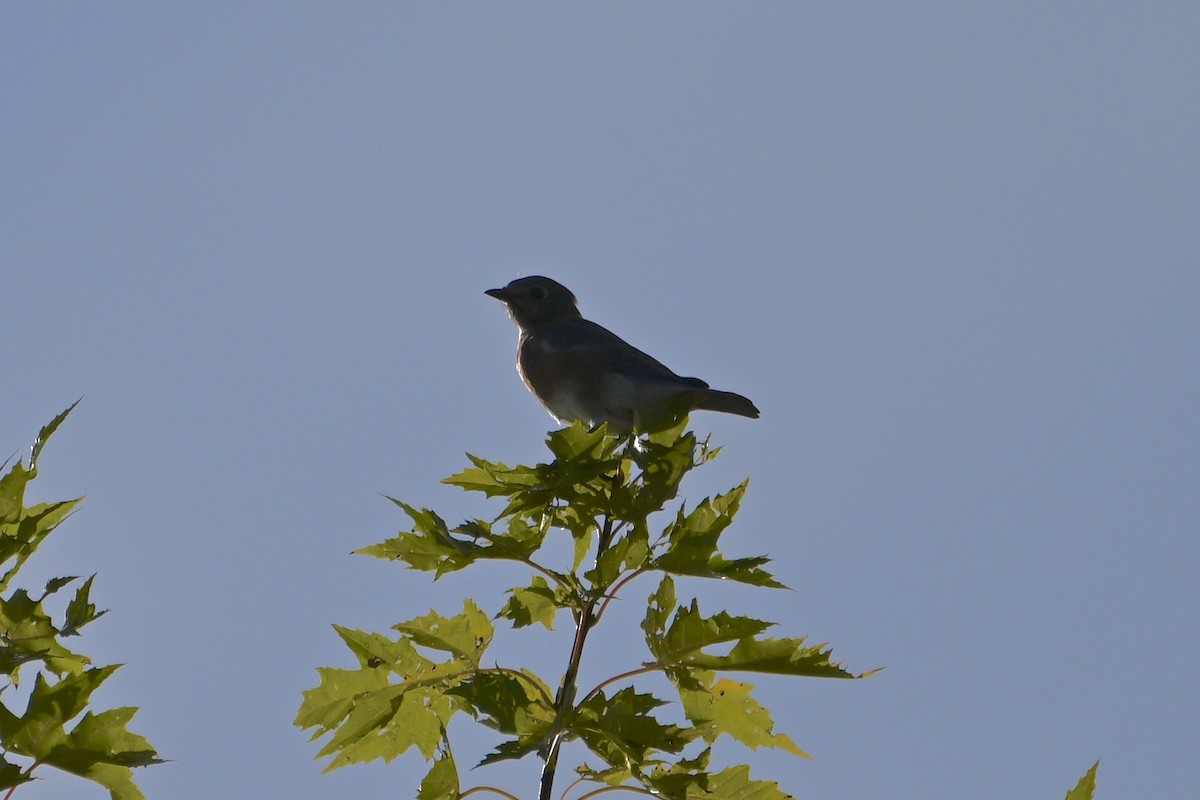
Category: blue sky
[949,250]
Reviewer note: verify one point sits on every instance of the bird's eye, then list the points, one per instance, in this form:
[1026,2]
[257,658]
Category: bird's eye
[538,293]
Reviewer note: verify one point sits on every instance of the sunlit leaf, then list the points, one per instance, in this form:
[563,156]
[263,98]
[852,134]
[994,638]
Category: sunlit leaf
[1086,788]
[327,705]
[726,707]
[536,603]
[386,723]
[376,650]
[735,783]
[441,783]
[466,635]
[658,612]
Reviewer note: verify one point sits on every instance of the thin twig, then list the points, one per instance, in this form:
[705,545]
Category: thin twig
[492,789]
[549,573]
[567,790]
[639,671]
[634,789]
[620,585]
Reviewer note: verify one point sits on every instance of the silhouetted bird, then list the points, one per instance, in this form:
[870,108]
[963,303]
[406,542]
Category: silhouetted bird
[579,370]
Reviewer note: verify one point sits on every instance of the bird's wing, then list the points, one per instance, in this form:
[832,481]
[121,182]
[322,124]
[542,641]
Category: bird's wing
[610,353]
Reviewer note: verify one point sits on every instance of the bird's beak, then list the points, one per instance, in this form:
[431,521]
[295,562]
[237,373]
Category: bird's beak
[500,294]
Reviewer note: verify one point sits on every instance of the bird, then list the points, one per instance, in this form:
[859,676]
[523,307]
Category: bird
[579,370]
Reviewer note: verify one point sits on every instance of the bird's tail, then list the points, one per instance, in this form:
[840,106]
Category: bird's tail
[729,402]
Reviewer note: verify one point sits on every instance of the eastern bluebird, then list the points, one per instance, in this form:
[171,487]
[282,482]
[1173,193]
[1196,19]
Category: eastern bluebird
[579,370]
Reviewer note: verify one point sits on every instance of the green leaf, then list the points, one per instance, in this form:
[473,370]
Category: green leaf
[613,776]
[328,705]
[582,539]
[681,779]
[371,716]
[42,728]
[735,784]
[117,779]
[512,750]
[467,635]
[1086,788]
[493,479]
[54,584]
[584,459]
[776,656]
[664,460]
[626,552]
[428,547]
[727,707]
[80,611]
[520,541]
[690,632]
[12,776]
[621,730]
[399,656]
[669,779]
[12,659]
[45,433]
[519,705]
[102,749]
[536,603]
[12,495]
[658,611]
[693,540]
[28,634]
[584,452]
[442,781]
[385,723]
[22,537]
[513,704]
[98,747]
[432,547]
[581,477]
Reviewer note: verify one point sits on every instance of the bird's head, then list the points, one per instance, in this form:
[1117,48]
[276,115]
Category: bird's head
[536,300]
